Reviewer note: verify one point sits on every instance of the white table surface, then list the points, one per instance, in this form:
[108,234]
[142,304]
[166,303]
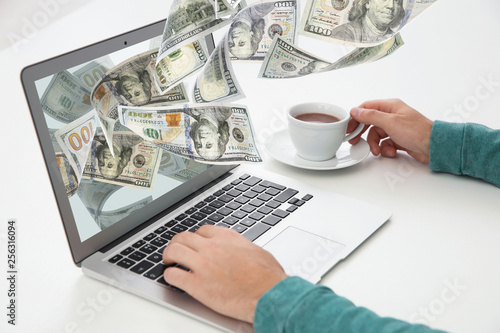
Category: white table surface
[438,254]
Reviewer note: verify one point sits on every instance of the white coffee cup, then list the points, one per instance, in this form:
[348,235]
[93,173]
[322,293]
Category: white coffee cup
[319,141]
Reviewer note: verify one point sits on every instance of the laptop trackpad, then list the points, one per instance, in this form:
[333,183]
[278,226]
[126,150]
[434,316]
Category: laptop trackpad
[302,253]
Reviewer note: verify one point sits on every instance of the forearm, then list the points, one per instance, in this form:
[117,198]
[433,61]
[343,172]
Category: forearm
[295,305]
[466,149]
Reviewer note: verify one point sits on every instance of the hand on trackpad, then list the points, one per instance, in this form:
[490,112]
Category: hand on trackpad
[302,253]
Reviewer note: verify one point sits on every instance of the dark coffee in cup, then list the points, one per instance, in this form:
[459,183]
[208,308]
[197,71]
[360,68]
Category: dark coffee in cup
[317,118]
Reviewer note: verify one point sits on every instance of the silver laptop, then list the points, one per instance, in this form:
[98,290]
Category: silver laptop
[117,232]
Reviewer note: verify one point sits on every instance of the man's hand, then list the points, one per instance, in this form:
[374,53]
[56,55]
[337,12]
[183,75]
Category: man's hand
[402,127]
[228,272]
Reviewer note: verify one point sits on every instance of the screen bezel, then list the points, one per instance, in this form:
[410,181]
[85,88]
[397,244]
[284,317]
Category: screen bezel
[30,74]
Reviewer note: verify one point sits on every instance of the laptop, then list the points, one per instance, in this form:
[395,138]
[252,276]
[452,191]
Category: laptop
[116,232]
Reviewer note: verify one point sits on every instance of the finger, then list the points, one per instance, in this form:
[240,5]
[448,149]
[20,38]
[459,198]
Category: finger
[351,126]
[221,235]
[375,135]
[383,105]
[189,239]
[373,117]
[388,148]
[180,254]
[209,231]
[180,278]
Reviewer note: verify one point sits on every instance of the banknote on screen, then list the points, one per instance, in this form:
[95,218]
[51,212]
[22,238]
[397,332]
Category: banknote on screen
[66,99]
[131,83]
[135,162]
[208,133]
[75,140]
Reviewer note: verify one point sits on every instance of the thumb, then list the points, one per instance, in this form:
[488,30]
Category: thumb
[370,116]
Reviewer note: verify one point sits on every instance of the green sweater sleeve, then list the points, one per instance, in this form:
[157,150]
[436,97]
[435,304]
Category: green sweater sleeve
[295,305]
[465,149]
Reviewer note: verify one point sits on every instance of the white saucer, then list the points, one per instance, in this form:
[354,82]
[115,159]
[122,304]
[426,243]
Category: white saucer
[281,148]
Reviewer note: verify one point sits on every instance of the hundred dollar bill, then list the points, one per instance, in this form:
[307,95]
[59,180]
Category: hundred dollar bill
[75,140]
[131,83]
[286,60]
[65,98]
[135,162]
[179,64]
[189,21]
[217,81]
[254,27]
[90,74]
[207,133]
[362,55]
[70,180]
[355,22]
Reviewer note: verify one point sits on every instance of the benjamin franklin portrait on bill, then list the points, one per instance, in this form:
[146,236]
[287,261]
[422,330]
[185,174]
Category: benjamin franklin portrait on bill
[371,21]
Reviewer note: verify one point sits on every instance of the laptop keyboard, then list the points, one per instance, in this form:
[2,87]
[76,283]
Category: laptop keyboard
[249,205]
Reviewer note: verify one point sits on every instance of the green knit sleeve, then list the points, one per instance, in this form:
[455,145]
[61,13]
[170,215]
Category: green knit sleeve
[465,149]
[295,306]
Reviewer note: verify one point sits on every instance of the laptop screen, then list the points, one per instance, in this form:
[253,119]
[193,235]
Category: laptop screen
[102,191]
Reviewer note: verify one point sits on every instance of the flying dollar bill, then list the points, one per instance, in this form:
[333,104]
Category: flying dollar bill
[208,133]
[181,63]
[131,83]
[217,81]
[69,178]
[75,140]
[362,55]
[90,74]
[135,162]
[355,22]
[189,21]
[254,27]
[285,60]
[65,98]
